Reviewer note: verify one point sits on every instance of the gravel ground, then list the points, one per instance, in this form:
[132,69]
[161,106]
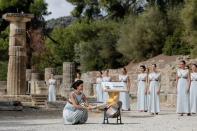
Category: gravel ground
[42,120]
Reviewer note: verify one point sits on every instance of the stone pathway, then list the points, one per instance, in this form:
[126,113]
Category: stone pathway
[33,120]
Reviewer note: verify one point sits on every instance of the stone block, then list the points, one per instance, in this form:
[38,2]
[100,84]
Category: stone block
[163,97]
[10,106]
[171,99]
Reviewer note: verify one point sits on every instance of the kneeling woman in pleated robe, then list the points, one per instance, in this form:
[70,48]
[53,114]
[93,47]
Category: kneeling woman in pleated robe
[154,79]
[193,90]
[142,90]
[183,81]
[124,96]
[75,111]
[99,90]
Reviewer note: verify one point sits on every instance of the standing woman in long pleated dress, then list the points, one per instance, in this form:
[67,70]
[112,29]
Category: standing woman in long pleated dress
[193,90]
[52,89]
[124,96]
[142,90]
[183,82]
[99,90]
[154,79]
[106,78]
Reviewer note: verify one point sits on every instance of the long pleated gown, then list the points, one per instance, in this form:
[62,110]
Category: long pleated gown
[154,102]
[141,96]
[193,93]
[99,90]
[182,94]
[52,90]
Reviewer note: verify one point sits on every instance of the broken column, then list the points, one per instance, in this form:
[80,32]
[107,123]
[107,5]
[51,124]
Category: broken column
[68,77]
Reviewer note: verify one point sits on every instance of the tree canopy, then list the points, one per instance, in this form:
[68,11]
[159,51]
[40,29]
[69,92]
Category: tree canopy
[105,33]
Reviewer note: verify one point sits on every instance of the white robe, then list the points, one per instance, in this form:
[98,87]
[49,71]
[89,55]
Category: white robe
[52,90]
[99,90]
[193,93]
[141,96]
[182,94]
[154,102]
[124,96]
[105,94]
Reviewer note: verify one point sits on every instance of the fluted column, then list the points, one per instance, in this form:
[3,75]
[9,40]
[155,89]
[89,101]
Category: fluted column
[16,77]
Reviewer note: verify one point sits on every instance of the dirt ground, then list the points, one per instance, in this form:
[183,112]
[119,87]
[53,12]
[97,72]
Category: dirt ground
[51,120]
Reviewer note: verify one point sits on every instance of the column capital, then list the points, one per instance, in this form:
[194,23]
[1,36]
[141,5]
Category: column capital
[18,17]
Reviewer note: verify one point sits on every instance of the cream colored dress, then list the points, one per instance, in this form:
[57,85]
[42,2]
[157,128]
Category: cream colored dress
[193,93]
[182,94]
[154,102]
[99,90]
[141,96]
[52,90]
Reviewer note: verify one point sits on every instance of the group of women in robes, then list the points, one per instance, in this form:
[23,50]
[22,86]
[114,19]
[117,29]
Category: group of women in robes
[186,89]
[148,84]
[102,96]
[147,94]
[148,91]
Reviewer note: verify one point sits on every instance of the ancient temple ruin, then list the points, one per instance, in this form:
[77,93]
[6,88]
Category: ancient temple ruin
[23,84]
[31,88]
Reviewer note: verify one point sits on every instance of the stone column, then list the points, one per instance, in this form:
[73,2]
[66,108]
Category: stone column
[88,79]
[17,53]
[35,77]
[68,77]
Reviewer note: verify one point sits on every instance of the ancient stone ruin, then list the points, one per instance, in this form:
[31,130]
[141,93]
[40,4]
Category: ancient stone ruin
[31,88]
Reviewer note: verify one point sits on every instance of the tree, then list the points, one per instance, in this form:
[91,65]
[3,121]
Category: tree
[118,8]
[3,54]
[189,17]
[174,44]
[143,36]
[92,45]
[57,53]
[87,8]
[100,53]
[4,45]
[112,9]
